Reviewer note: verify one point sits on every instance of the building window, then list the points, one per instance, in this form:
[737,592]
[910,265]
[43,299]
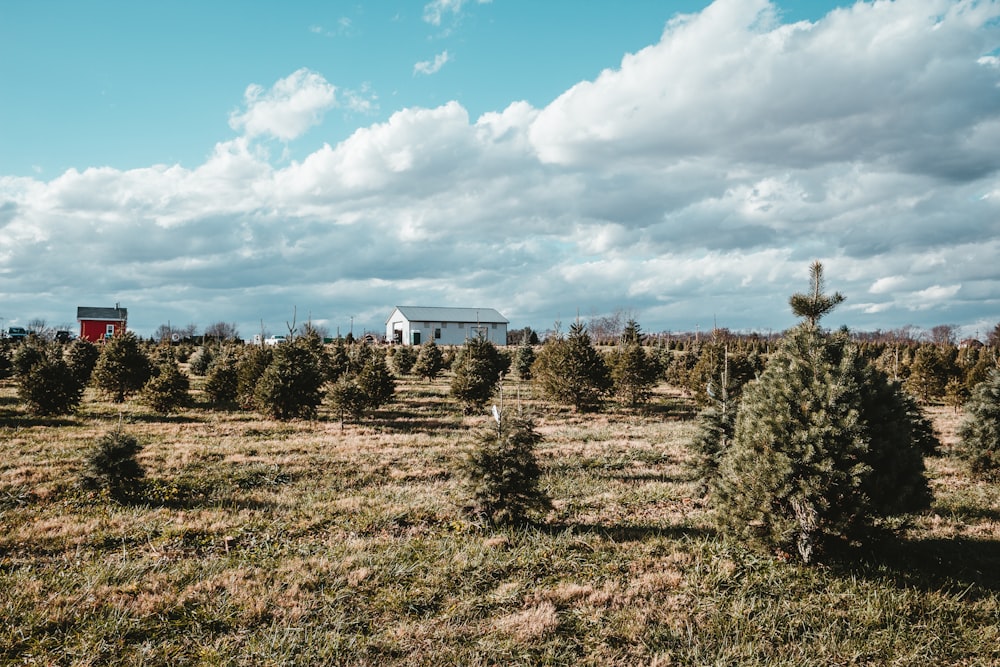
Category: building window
[461,325]
[494,325]
[427,325]
[437,333]
[109,330]
[444,325]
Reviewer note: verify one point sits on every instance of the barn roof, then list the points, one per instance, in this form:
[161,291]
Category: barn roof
[481,315]
[115,314]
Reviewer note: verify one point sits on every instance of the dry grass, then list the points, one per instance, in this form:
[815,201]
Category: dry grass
[261,542]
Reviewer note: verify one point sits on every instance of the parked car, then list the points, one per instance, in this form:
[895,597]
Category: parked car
[63,336]
[275,340]
[17,333]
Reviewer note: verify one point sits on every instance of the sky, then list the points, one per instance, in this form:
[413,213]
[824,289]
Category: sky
[682,162]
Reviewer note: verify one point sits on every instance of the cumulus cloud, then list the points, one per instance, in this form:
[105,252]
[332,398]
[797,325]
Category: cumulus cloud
[431,66]
[292,106]
[693,183]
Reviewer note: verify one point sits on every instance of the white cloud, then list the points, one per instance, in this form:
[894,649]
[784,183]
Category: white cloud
[288,109]
[435,10]
[431,67]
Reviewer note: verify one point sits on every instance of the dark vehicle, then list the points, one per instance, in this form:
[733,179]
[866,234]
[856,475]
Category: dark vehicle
[17,333]
[63,336]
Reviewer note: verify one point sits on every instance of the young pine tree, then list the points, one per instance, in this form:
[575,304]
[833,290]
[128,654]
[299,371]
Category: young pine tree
[430,361]
[570,371]
[634,374]
[404,359]
[290,385]
[502,475]
[524,358]
[979,434]
[122,367]
[824,444]
[166,391]
[111,466]
[49,386]
[375,382]
[222,379]
[477,369]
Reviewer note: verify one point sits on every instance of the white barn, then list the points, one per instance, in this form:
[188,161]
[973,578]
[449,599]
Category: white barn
[415,325]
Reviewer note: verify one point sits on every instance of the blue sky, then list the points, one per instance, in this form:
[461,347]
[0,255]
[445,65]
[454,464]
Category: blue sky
[681,161]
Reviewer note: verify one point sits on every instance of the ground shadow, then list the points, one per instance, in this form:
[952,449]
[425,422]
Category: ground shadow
[627,532]
[971,565]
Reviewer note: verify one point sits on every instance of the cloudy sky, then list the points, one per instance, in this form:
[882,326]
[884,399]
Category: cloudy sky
[678,160]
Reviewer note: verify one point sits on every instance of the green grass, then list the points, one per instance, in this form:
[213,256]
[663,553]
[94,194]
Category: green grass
[259,542]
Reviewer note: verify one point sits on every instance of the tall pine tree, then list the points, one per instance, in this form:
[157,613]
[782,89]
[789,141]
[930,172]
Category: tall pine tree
[824,444]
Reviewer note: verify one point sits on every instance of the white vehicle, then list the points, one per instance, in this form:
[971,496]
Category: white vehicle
[275,340]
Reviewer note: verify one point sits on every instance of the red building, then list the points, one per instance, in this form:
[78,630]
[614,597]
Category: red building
[96,324]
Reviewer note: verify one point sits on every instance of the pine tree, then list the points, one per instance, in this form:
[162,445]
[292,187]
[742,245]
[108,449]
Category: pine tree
[111,466]
[222,379]
[376,382]
[48,386]
[81,355]
[502,473]
[523,359]
[250,366]
[815,304]
[477,369]
[122,367]
[430,361]
[634,374]
[571,371]
[166,391]
[979,434]
[824,445]
[347,398]
[404,359]
[290,385]
[201,360]
[716,427]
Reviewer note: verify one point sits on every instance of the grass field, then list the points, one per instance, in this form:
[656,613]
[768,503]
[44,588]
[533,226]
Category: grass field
[262,542]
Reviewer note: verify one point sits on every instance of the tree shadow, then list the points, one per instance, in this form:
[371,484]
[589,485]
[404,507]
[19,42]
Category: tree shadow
[935,564]
[626,532]
[427,425]
[25,420]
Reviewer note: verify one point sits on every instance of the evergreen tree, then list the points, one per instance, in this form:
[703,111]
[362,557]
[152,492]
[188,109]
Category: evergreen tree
[477,369]
[222,379]
[824,445]
[30,352]
[252,363]
[48,386]
[929,374]
[815,304]
[502,473]
[740,368]
[290,385]
[111,466]
[979,434]
[430,361]
[347,398]
[201,360]
[376,382]
[166,391]
[81,355]
[523,359]
[634,373]
[571,371]
[404,359]
[716,428]
[122,367]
